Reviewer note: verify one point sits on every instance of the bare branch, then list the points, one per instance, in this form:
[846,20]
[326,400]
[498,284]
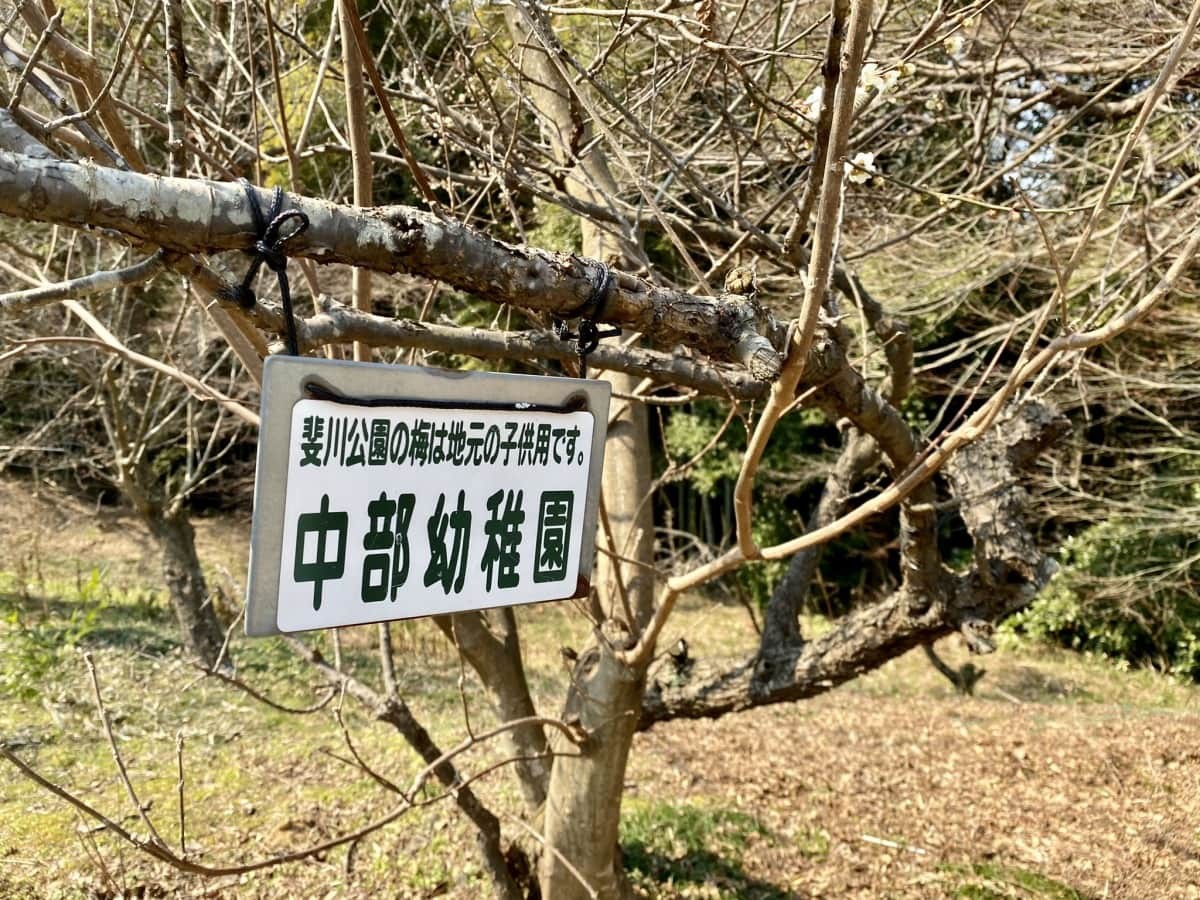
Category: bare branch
[84,286]
[1007,572]
[193,216]
[200,388]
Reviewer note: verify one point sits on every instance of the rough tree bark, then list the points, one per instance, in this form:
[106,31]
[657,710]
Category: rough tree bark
[1007,572]
[583,807]
[190,216]
[198,625]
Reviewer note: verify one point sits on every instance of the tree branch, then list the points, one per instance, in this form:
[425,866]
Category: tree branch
[84,286]
[395,712]
[1008,571]
[195,216]
[338,323]
[496,658]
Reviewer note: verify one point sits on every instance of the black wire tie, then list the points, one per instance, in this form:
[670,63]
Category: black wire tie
[269,249]
[588,336]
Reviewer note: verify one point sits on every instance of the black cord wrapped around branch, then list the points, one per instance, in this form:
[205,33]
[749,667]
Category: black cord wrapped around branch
[268,249]
[588,336]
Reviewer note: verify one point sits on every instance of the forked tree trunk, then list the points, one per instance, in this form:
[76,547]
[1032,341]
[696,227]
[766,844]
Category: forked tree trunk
[583,810]
[198,626]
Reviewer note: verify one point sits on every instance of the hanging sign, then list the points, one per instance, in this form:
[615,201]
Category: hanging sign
[388,492]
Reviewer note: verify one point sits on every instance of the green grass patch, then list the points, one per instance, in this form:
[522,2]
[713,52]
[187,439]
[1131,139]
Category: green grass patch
[666,845]
[988,881]
[813,843]
[40,632]
[258,780]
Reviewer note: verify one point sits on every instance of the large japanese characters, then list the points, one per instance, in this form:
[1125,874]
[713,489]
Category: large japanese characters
[433,510]
[390,492]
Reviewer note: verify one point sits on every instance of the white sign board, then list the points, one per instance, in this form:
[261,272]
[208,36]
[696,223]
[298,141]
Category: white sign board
[397,504]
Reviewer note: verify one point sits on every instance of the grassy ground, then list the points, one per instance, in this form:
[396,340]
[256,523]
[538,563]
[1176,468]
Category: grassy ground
[1064,777]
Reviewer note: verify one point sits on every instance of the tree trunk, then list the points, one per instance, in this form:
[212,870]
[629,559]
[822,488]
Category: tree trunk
[583,810]
[201,632]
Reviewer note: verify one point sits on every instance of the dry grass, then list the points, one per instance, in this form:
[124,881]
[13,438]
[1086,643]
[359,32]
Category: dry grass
[1064,777]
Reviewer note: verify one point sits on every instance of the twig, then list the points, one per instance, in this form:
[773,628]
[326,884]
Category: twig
[382,780]
[1007,696]
[353,24]
[217,663]
[831,68]
[84,286]
[387,659]
[14,99]
[820,270]
[234,681]
[617,575]
[199,387]
[462,681]
[116,753]
[573,736]
[101,95]
[163,854]
[179,766]
[894,845]
[177,72]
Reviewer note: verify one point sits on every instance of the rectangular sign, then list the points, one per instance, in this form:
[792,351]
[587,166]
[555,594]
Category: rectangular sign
[395,503]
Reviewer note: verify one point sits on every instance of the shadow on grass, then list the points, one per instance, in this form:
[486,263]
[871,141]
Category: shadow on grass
[135,620]
[701,867]
[995,881]
[1034,685]
[664,843]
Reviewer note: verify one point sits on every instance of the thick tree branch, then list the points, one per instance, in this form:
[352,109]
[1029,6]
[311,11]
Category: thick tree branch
[862,641]
[818,275]
[337,323]
[194,216]
[845,394]
[1008,571]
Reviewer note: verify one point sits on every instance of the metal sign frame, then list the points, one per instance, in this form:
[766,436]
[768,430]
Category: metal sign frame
[289,379]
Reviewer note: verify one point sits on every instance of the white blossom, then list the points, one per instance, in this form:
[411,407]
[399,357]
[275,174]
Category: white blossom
[860,169]
[880,81]
[810,107]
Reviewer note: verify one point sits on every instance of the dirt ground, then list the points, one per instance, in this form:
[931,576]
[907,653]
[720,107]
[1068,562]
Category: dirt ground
[1063,778]
[1099,797]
